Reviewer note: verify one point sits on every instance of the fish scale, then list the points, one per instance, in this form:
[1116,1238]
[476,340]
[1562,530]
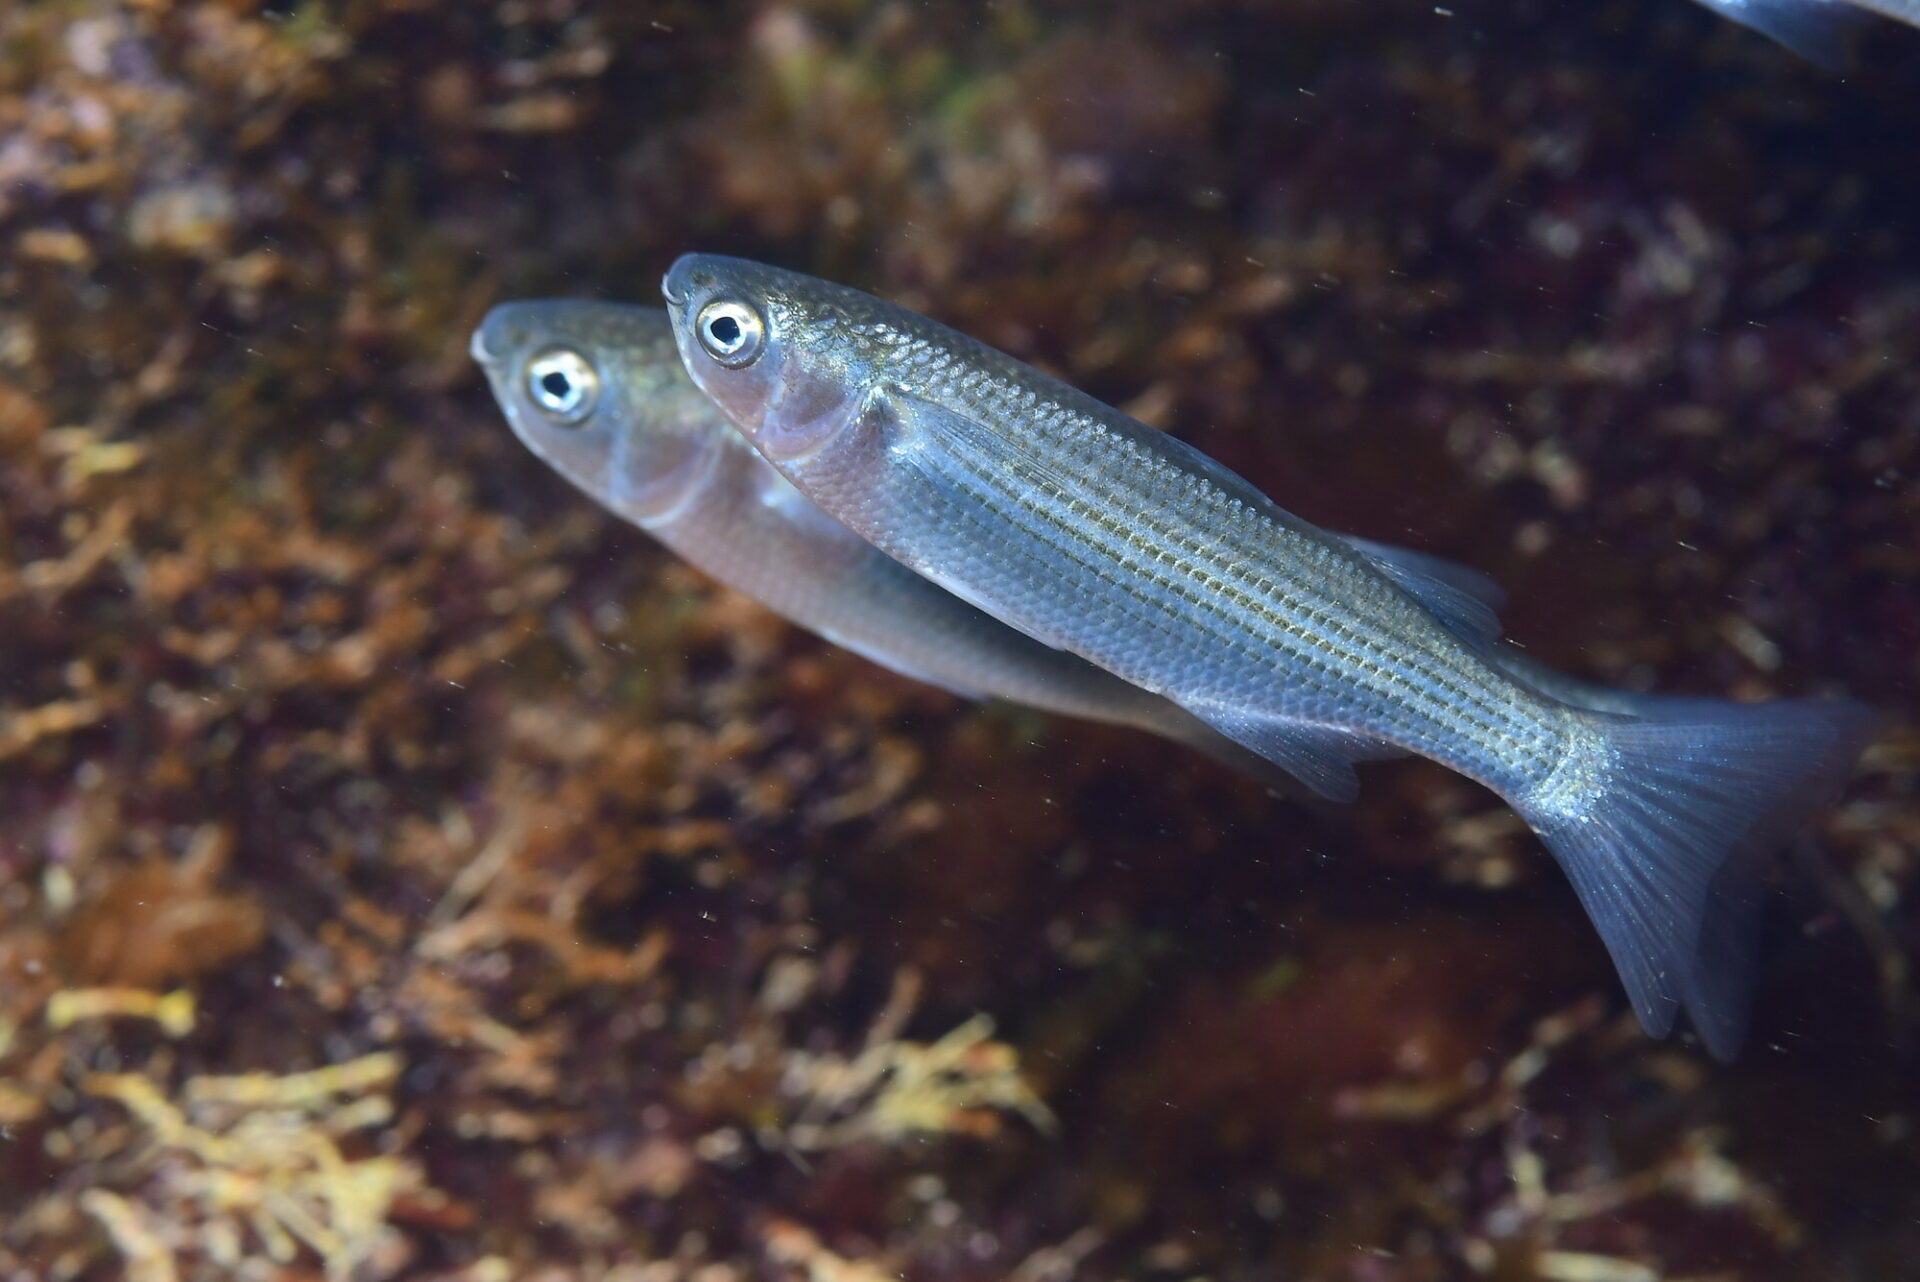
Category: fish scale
[1350,659]
[1383,670]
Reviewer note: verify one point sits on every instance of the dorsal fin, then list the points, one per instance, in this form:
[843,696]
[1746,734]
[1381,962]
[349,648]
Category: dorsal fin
[1462,600]
[1474,583]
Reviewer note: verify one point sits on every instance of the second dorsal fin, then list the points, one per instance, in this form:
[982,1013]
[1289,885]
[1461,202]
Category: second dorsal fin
[1463,600]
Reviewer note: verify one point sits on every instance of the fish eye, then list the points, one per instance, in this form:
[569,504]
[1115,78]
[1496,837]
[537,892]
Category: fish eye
[732,333]
[563,385]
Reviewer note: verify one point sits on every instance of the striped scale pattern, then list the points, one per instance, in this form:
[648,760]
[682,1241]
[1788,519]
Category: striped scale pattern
[1094,532]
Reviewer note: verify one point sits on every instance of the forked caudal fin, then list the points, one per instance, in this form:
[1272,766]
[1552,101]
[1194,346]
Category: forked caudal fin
[1663,829]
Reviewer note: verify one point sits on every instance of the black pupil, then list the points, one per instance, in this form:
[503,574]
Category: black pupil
[556,385]
[725,330]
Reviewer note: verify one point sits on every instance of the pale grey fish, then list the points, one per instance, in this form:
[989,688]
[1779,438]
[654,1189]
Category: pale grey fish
[598,391]
[1814,29]
[1092,532]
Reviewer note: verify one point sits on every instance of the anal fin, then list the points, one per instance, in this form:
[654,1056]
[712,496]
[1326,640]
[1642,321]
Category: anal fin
[1321,757]
[1817,30]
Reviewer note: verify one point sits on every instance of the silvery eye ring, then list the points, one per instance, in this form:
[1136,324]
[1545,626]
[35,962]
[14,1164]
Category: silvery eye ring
[732,333]
[563,385]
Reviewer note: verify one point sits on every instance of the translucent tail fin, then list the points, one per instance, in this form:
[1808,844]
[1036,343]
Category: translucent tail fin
[1664,834]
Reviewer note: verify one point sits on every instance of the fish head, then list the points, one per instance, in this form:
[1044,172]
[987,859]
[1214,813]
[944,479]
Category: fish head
[596,390]
[781,353]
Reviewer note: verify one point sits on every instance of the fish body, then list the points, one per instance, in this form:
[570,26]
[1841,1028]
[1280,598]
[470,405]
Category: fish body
[1097,534]
[656,452]
[1093,533]
[650,447]
[1817,30]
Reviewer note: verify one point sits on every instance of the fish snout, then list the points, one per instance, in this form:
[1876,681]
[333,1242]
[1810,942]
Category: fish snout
[493,340]
[509,329]
[675,286]
[684,279]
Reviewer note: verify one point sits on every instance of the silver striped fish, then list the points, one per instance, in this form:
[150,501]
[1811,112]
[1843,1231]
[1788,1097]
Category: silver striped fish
[597,390]
[1093,533]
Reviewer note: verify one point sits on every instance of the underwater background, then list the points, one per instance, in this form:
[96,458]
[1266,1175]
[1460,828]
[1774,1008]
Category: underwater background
[408,871]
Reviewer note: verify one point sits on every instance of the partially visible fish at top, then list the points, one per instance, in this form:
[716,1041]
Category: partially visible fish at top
[1817,30]
[1092,532]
